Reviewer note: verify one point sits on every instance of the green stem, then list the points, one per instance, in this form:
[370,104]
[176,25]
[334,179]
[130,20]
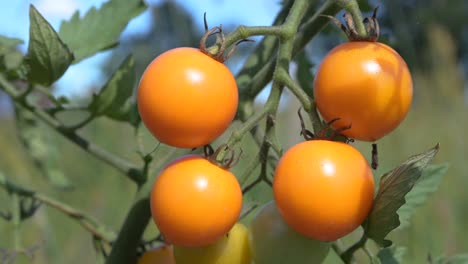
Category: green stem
[315,119]
[262,61]
[352,7]
[131,233]
[347,255]
[243,32]
[287,32]
[81,124]
[16,220]
[124,249]
[314,25]
[123,165]
[294,87]
[85,220]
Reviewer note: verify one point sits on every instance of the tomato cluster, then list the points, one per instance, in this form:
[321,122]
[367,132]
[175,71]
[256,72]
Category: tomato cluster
[323,189]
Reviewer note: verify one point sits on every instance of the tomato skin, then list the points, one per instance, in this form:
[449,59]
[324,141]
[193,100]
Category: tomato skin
[187,99]
[160,255]
[232,248]
[274,242]
[323,189]
[366,84]
[194,202]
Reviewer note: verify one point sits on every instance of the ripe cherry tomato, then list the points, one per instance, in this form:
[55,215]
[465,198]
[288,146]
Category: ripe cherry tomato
[232,248]
[160,255]
[194,202]
[323,189]
[274,242]
[187,99]
[365,84]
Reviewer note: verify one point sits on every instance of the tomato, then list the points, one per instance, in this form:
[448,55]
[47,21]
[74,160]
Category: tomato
[187,99]
[194,202]
[323,189]
[232,248]
[160,255]
[274,242]
[365,84]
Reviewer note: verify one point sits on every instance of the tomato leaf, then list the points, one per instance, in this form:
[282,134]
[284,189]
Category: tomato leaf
[10,57]
[44,156]
[48,57]
[7,44]
[99,29]
[113,99]
[427,184]
[127,113]
[391,255]
[394,186]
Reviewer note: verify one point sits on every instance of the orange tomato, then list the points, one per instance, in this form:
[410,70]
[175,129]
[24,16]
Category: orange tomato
[365,84]
[194,202]
[323,189]
[159,255]
[187,99]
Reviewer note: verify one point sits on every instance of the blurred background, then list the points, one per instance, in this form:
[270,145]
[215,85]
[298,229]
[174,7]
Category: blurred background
[431,35]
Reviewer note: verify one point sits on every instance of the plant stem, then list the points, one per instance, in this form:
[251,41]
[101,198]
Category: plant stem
[16,220]
[243,32]
[297,91]
[129,237]
[347,255]
[286,33]
[87,221]
[123,165]
[262,61]
[352,7]
[124,249]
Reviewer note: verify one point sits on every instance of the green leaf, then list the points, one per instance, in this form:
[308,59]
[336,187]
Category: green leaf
[48,57]
[127,113]
[113,100]
[99,29]
[44,155]
[427,184]
[10,57]
[394,186]
[458,259]
[391,255]
[7,44]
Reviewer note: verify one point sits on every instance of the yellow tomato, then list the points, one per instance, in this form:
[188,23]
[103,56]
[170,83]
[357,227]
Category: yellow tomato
[159,255]
[233,248]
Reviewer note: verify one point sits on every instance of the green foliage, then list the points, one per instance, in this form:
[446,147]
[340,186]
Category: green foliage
[394,186]
[427,184]
[48,57]
[10,58]
[391,255]
[458,259]
[99,29]
[43,155]
[113,99]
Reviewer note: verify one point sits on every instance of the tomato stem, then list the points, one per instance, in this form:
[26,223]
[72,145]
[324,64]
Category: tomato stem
[16,219]
[288,32]
[352,7]
[85,220]
[132,171]
[348,254]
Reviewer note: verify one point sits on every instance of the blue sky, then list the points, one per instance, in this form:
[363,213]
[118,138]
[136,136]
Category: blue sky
[14,22]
